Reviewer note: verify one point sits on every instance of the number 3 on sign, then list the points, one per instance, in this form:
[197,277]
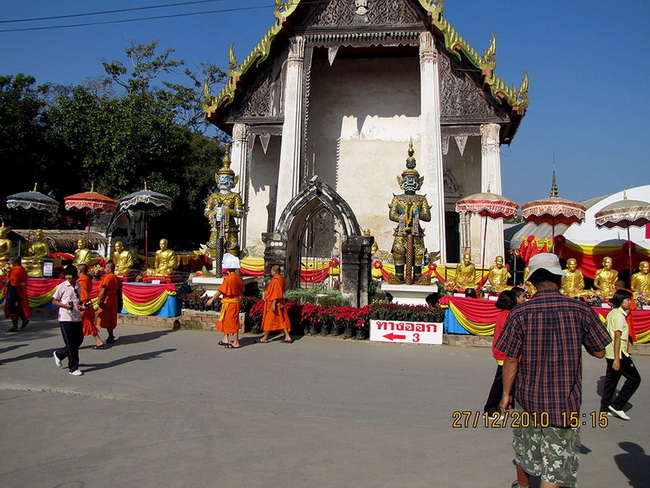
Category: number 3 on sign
[416,337]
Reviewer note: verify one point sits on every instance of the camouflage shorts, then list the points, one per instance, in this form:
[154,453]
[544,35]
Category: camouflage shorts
[549,452]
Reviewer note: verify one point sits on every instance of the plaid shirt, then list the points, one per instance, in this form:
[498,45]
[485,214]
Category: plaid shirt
[548,332]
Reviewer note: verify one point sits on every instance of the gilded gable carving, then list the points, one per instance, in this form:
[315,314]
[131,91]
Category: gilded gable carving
[460,95]
[344,13]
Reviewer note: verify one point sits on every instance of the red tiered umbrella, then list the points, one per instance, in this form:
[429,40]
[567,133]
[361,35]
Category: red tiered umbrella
[487,205]
[625,214]
[90,202]
[553,210]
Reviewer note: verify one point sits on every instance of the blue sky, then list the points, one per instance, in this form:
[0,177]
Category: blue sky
[588,63]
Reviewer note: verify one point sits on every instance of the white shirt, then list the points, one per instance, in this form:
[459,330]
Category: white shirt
[66,293]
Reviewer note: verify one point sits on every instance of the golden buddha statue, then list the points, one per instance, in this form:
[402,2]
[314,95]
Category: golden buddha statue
[408,209]
[222,208]
[5,244]
[641,280]
[498,275]
[465,273]
[605,279]
[38,250]
[573,284]
[122,259]
[166,261]
[82,254]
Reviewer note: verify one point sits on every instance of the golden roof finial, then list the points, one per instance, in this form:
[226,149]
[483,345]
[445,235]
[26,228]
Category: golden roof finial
[35,186]
[92,186]
[145,185]
[232,60]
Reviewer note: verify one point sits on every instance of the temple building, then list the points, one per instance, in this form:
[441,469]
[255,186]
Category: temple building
[321,113]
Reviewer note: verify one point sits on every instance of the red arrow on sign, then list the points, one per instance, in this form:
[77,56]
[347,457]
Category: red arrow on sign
[392,336]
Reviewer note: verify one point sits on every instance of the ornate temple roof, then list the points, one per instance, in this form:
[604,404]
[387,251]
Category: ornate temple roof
[513,99]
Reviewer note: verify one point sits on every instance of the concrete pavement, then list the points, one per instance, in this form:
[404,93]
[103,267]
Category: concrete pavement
[165,408]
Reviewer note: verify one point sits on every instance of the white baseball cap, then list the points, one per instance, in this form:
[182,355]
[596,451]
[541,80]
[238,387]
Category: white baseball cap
[545,260]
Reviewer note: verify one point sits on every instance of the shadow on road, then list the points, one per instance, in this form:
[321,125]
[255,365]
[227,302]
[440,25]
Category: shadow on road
[88,367]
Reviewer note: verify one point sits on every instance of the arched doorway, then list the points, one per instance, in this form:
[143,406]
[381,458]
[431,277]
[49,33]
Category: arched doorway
[311,227]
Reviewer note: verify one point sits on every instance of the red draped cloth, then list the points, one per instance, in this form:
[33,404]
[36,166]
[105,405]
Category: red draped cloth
[144,294]
[475,309]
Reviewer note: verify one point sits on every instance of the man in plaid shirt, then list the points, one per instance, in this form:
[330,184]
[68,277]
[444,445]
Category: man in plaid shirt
[542,340]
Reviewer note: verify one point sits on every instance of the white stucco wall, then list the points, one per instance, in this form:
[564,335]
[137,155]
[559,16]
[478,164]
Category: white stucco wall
[362,116]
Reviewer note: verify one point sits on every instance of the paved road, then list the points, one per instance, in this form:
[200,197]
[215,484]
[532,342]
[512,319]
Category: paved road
[173,409]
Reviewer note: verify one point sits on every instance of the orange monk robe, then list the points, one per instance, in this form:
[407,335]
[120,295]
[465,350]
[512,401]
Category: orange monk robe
[88,315]
[279,319]
[107,317]
[231,290]
[18,279]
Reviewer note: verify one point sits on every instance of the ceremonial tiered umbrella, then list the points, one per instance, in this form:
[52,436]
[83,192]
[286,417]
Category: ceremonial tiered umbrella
[145,201]
[90,202]
[487,205]
[553,210]
[32,201]
[625,214]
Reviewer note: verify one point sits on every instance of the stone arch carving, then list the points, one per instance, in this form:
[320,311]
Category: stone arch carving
[318,193]
[282,248]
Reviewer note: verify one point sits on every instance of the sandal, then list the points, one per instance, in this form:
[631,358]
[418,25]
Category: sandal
[222,343]
[99,346]
[13,329]
[260,341]
[230,346]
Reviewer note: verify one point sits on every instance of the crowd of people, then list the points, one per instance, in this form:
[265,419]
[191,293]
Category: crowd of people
[537,345]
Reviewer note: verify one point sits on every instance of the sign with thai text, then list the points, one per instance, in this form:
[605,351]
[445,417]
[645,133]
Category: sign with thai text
[405,332]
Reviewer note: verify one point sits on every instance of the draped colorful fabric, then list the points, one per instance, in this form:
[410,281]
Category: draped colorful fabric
[252,266]
[590,258]
[145,299]
[475,315]
[641,322]
[40,291]
[532,245]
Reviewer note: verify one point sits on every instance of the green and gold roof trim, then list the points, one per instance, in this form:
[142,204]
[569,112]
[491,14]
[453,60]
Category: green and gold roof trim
[516,97]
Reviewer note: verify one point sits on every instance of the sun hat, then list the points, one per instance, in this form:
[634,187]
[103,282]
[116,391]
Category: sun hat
[545,260]
[230,262]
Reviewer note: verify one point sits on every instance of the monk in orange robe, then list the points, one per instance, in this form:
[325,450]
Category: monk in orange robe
[275,311]
[231,290]
[109,287]
[16,299]
[88,313]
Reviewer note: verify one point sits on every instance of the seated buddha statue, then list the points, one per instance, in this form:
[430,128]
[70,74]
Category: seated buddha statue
[641,280]
[38,250]
[82,254]
[166,261]
[573,284]
[5,244]
[605,279]
[465,274]
[122,259]
[498,275]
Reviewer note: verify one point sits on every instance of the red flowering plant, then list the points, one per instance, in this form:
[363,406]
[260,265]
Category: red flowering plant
[256,311]
[311,313]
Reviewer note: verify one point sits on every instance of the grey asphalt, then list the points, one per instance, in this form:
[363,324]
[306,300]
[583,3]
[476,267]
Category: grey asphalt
[166,408]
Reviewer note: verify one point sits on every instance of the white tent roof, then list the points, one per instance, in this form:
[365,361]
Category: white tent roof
[588,234]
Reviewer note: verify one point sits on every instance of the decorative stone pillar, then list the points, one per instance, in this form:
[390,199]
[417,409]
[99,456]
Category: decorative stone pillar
[239,156]
[491,179]
[431,145]
[355,268]
[289,173]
